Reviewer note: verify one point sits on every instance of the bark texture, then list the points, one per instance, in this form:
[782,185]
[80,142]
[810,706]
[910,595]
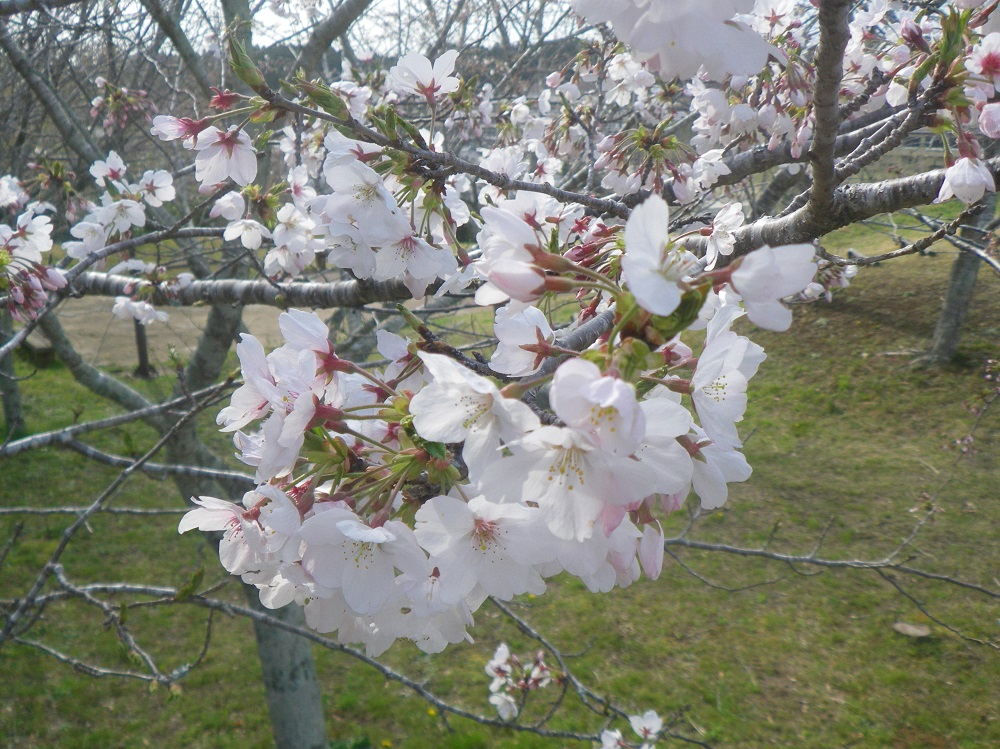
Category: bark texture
[293,694]
[962,282]
[10,393]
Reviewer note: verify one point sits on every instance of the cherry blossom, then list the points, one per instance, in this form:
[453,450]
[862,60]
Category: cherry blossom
[344,552]
[968,179]
[769,274]
[242,540]
[518,326]
[168,128]
[651,266]
[119,215]
[224,155]
[230,206]
[92,235]
[144,312]
[459,405]
[722,240]
[250,233]
[482,549]
[156,188]
[414,74]
[112,169]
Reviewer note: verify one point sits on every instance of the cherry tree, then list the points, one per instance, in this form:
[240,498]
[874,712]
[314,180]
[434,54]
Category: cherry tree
[388,501]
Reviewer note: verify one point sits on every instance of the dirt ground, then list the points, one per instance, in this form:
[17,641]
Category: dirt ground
[105,341]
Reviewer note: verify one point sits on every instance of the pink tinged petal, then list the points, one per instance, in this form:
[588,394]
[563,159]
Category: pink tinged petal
[304,330]
[211,167]
[213,515]
[651,271]
[651,550]
[443,413]
[444,66]
[235,553]
[989,120]
[243,166]
[326,614]
[713,470]
[769,274]
[439,521]
[603,407]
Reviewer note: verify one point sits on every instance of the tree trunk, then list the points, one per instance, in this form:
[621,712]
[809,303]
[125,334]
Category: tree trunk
[10,392]
[143,370]
[293,693]
[944,344]
[961,284]
[290,684]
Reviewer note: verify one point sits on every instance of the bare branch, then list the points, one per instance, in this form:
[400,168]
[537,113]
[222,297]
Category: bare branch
[51,566]
[923,610]
[857,564]
[68,433]
[14,7]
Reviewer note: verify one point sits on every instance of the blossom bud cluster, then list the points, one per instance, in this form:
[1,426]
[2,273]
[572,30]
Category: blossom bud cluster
[24,280]
[511,682]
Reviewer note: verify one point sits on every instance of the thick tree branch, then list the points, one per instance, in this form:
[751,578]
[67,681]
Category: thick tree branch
[326,32]
[233,291]
[851,204]
[14,7]
[170,27]
[834,35]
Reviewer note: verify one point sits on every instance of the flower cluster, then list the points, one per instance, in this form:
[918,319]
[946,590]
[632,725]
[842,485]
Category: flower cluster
[391,502]
[511,682]
[118,105]
[24,280]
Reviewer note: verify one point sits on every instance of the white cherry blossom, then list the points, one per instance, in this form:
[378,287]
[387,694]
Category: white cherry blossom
[769,274]
[414,74]
[224,155]
[968,179]
[653,269]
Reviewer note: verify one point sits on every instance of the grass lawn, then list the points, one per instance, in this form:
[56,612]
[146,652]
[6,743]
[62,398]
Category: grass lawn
[848,444]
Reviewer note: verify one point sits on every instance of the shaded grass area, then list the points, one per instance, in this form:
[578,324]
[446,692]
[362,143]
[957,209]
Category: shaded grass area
[849,446]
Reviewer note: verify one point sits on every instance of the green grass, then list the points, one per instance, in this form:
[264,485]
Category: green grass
[845,438]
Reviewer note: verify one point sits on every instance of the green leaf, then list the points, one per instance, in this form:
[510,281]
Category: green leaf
[187,589]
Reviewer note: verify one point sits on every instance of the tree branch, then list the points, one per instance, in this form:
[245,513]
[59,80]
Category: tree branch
[170,27]
[14,7]
[834,35]
[333,26]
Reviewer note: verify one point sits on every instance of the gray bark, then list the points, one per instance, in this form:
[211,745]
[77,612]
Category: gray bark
[781,183]
[333,26]
[961,283]
[289,673]
[10,392]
